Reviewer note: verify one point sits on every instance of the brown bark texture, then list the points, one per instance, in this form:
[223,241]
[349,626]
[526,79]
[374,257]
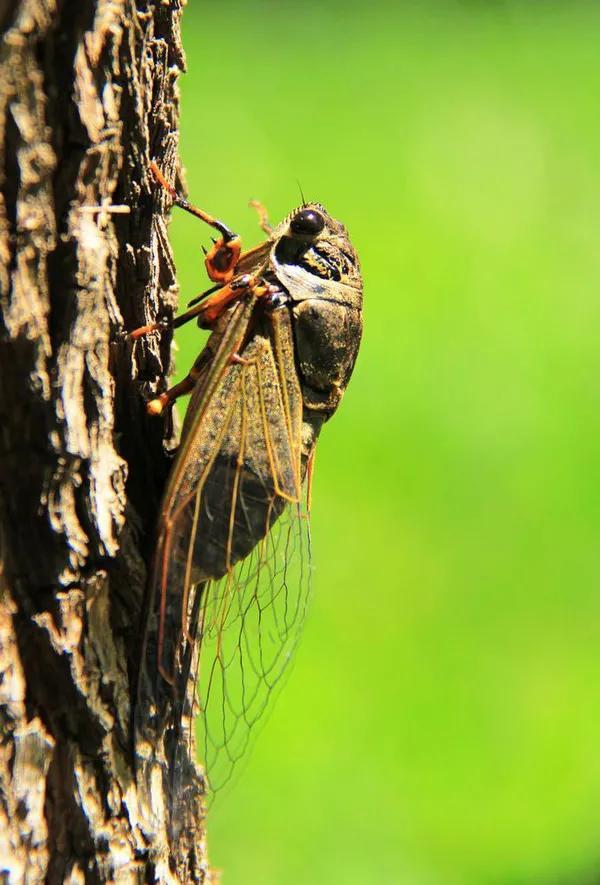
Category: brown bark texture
[88,97]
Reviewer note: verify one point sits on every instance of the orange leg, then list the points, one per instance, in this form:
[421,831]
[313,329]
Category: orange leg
[202,304]
[161,325]
[213,306]
[164,324]
[221,260]
[157,405]
[208,307]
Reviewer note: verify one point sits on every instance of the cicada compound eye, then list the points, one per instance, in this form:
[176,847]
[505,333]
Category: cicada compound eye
[307,222]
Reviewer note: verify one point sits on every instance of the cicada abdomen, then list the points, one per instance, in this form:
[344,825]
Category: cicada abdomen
[231,577]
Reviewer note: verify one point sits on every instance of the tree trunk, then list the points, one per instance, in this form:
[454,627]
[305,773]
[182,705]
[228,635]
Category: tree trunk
[88,97]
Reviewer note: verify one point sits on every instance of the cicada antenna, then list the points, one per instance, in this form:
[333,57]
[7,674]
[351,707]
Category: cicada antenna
[303,198]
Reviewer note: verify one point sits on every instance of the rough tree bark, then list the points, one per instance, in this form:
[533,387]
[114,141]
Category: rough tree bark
[88,96]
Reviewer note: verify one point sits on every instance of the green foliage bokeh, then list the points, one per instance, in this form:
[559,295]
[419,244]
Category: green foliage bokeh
[441,725]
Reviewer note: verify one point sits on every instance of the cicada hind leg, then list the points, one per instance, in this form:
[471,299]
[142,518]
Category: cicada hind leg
[157,405]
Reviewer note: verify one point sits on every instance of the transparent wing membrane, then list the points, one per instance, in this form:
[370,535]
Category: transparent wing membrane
[232,573]
[250,623]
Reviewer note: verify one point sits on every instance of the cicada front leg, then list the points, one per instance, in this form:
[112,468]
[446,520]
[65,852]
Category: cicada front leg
[222,258]
[221,263]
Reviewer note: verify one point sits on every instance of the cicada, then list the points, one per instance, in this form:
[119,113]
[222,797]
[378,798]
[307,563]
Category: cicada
[231,576]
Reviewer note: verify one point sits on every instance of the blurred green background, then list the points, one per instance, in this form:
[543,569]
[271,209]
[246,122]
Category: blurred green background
[441,724]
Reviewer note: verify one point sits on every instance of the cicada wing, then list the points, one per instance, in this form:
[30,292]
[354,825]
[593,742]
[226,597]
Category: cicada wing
[254,259]
[251,621]
[216,391]
[233,531]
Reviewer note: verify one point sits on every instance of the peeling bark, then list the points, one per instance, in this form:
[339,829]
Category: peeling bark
[88,97]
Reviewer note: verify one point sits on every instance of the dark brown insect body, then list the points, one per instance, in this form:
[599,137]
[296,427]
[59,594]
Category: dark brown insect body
[286,321]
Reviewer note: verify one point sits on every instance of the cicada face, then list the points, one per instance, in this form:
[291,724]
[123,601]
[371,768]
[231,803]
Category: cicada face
[312,256]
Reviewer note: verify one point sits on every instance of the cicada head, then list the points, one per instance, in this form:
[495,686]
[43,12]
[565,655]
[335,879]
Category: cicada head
[312,256]
[313,259]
